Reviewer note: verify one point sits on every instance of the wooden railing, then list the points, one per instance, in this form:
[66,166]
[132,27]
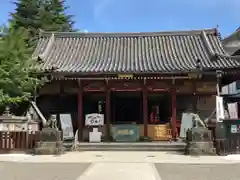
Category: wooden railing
[18,141]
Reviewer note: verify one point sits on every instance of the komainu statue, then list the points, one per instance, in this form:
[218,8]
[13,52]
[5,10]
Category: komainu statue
[52,122]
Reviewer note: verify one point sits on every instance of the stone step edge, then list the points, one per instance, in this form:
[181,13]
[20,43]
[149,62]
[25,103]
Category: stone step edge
[129,146]
[165,149]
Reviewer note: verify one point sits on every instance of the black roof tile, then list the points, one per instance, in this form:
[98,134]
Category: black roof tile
[132,52]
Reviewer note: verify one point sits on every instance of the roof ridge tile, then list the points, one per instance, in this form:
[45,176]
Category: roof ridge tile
[170,52]
[128,34]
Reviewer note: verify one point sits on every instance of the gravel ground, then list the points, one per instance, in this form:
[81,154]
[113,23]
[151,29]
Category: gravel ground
[199,171]
[42,171]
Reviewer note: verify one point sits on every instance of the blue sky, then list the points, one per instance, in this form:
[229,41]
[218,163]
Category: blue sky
[148,15]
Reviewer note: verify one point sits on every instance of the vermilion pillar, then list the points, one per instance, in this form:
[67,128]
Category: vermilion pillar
[80,110]
[145,109]
[174,111]
[108,111]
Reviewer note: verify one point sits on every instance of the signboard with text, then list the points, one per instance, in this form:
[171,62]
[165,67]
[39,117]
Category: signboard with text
[126,132]
[219,109]
[94,119]
[66,124]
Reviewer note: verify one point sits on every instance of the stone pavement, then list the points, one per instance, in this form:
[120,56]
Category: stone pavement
[199,171]
[117,166]
[41,171]
[131,157]
[120,171]
[117,171]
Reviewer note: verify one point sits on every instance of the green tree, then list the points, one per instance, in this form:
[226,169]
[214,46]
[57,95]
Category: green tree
[53,17]
[26,16]
[47,15]
[18,77]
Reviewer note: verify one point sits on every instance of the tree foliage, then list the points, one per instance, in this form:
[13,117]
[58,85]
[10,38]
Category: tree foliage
[18,77]
[26,15]
[47,15]
[53,17]
[18,70]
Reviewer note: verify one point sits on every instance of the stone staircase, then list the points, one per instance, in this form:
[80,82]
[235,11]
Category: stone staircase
[132,146]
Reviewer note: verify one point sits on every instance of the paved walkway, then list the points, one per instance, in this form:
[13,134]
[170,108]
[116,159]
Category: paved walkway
[117,171]
[120,171]
[117,166]
[122,157]
[42,171]
[198,171]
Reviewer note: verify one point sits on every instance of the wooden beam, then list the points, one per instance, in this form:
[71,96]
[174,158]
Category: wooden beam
[174,110]
[145,108]
[108,111]
[195,96]
[80,110]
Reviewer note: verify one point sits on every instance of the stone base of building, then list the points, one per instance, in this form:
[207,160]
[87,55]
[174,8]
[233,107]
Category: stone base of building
[50,142]
[200,142]
[49,148]
[200,148]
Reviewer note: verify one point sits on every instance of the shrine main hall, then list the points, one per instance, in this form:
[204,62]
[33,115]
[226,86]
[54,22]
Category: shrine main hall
[146,80]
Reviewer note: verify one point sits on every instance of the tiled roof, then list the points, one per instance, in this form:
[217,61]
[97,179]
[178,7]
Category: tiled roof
[232,43]
[157,52]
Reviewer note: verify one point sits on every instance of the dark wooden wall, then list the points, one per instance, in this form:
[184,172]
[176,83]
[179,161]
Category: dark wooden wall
[196,95]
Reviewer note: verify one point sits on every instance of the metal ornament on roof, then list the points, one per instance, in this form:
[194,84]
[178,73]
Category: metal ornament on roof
[197,73]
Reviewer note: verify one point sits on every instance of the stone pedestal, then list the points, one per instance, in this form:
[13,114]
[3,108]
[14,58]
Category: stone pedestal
[50,142]
[200,142]
[48,148]
[201,148]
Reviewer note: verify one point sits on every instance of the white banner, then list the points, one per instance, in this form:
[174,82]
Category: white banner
[219,109]
[233,110]
[94,119]
[66,124]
